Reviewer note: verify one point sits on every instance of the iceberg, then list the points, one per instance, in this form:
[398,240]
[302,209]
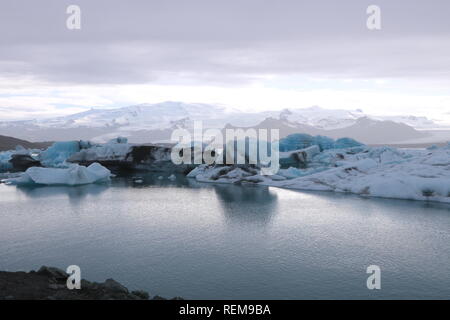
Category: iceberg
[5,165]
[72,176]
[115,149]
[119,155]
[57,154]
[344,143]
[384,172]
[19,159]
[301,140]
[299,158]
[291,172]
[226,174]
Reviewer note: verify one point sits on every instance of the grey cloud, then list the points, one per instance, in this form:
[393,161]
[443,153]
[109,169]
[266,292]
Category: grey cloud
[218,42]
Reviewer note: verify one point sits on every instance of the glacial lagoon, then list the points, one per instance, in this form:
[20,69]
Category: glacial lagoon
[209,241]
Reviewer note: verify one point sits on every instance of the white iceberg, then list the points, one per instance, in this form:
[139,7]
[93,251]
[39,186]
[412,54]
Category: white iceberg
[61,154]
[72,176]
[375,172]
[386,173]
[116,149]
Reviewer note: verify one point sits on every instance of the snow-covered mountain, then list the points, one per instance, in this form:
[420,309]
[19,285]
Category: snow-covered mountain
[155,122]
[322,118]
[143,116]
[413,121]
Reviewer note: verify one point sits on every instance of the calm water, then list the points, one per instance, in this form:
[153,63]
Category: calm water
[194,240]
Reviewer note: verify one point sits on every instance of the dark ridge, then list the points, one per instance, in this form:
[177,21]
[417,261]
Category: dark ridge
[10,143]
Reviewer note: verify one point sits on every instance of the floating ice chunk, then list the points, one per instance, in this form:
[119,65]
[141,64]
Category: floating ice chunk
[196,171]
[21,150]
[72,176]
[377,172]
[422,177]
[223,174]
[299,157]
[362,165]
[439,157]
[292,173]
[296,141]
[56,155]
[324,143]
[13,160]
[276,177]
[7,175]
[5,165]
[112,150]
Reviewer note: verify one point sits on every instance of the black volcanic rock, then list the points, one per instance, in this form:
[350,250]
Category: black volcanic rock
[49,283]
[21,162]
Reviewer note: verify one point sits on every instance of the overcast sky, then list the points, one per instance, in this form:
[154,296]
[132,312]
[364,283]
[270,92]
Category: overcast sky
[251,54]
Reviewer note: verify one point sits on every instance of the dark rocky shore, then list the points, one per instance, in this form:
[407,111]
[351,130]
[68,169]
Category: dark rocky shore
[50,284]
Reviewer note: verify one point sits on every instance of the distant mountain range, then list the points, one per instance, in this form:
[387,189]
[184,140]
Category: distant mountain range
[363,129]
[155,123]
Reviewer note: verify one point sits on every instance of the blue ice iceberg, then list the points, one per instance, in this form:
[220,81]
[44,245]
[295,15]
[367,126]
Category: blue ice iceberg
[5,165]
[301,140]
[344,143]
[56,155]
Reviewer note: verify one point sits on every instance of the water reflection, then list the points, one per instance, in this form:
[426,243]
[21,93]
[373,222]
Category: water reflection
[239,204]
[153,179]
[75,193]
[373,204]
[254,241]
[246,204]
